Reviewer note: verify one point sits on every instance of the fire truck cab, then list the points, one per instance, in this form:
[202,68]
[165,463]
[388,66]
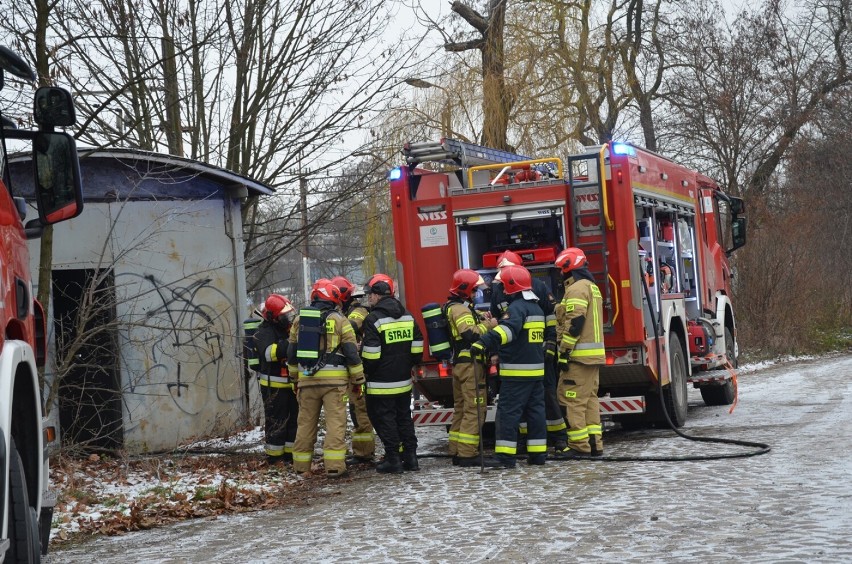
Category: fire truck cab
[657,236]
[26,501]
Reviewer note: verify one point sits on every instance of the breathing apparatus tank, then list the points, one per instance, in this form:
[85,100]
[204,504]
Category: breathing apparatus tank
[437,331]
[311,329]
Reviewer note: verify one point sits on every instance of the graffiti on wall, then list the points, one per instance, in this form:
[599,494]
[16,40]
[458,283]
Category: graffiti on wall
[177,340]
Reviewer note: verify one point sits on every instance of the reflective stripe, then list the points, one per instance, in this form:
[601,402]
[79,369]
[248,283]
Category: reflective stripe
[310,313]
[271,353]
[575,302]
[505,334]
[550,320]
[273,450]
[356,315]
[252,324]
[554,425]
[467,319]
[534,319]
[578,434]
[464,438]
[389,388]
[371,353]
[302,456]
[334,454]
[416,347]
[536,445]
[253,361]
[506,447]
[439,347]
[595,430]
[579,351]
[522,370]
[394,322]
[307,354]
[362,437]
[569,340]
[454,436]
[288,448]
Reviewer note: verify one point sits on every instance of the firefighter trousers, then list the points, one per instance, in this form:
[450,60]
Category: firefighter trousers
[363,440]
[578,394]
[556,428]
[466,426]
[520,399]
[391,417]
[280,415]
[312,400]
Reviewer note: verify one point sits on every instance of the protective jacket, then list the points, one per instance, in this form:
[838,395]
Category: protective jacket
[519,338]
[356,314]
[392,344]
[465,327]
[270,343]
[340,363]
[580,318]
[500,304]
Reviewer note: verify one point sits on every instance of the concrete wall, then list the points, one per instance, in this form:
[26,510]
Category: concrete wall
[180,299]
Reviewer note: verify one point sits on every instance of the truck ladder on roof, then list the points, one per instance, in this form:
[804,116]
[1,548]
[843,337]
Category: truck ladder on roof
[462,153]
[592,240]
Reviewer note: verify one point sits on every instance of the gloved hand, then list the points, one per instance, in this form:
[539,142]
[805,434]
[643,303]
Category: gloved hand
[358,390]
[549,350]
[477,350]
[564,356]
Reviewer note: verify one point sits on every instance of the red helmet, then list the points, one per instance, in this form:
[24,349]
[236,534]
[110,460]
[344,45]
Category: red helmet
[345,286]
[507,258]
[325,290]
[275,306]
[465,281]
[380,284]
[571,258]
[515,279]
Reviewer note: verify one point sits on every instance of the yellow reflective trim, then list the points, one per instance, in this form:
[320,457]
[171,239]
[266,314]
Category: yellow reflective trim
[505,450]
[416,350]
[269,384]
[270,451]
[310,313]
[578,434]
[557,427]
[302,456]
[516,372]
[576,302]
[334,454]
[388,391]
[371,356]
[536,448]
[468,439]
[504,336]
[588,352]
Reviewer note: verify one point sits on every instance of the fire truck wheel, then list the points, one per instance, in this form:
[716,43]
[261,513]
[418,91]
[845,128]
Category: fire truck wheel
[724,394]
[23,526]
[675,395]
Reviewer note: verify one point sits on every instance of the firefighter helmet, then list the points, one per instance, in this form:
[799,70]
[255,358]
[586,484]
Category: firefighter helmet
[571,258]
[347,289]
[507,258]
[277,306]
[325,290]
[465,281]
[515,279]
[380,284]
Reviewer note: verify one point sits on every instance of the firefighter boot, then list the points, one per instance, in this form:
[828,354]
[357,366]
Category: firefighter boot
[390,465]
[409,461]
[593,442]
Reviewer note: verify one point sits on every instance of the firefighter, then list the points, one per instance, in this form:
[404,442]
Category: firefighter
[581,352]
[556,429]
[363,440]
[520,339]
[392,345]
[323,358]
[280,409]
[469,391]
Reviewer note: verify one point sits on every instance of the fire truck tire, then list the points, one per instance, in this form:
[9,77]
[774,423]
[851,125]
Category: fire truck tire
[724,394]
[23,525]
[675,395]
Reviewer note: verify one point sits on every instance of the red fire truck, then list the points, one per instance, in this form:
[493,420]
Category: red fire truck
[26,502]
[657,236]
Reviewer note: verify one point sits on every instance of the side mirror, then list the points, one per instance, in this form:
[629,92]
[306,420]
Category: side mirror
[59,190]
[737,206]
[53,107]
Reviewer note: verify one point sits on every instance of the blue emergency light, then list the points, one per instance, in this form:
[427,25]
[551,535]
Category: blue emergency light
[395,174]
[623,149]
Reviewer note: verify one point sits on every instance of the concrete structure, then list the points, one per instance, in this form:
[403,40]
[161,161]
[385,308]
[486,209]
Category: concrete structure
[161,239]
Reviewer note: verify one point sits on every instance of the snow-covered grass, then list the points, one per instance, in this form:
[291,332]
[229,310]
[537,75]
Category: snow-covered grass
[104,495]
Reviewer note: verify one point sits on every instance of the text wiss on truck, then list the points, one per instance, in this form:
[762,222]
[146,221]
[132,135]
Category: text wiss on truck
[27,502]
[657,236]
